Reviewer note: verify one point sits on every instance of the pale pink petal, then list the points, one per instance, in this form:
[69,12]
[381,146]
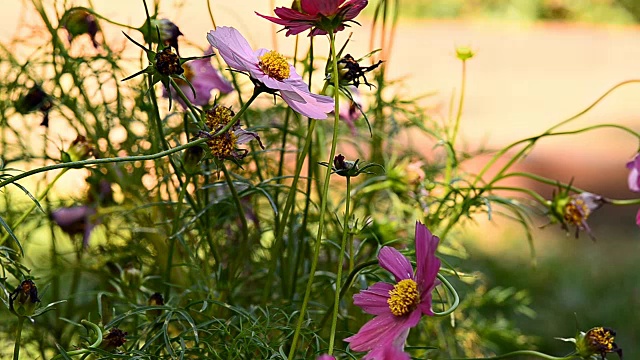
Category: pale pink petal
[307,104]
[394,262]
[233,47]
[634,174]
[427,262]
[392,351]
[382,331]
[374,299]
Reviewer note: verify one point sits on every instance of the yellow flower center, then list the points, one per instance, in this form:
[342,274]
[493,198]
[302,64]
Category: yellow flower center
[576,211]
[404,297]
[224,145]
[601,339]
[274,65]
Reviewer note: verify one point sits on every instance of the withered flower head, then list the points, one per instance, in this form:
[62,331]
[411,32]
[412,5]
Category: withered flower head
[224,146]
[168,63]
[155,300]
[35,100]
[350,71]
[24,299]
[114,339]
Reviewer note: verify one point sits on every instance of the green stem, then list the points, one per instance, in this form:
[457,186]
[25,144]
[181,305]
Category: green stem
[34,205]
[454,135]
[236,200]
[532,140]
[106,19]
[343,245]
[95,344]
[192,110]
[172,238]
[16,347]
[323,203]
[452,291]
[525,353]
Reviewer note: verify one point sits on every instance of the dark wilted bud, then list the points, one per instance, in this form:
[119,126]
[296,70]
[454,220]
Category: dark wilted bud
[155,300]
[167,62]
[35,100]
[343,167]
[24,299]
[350,71]
[114,339]
[191,159]
[597,341]
[78,22]
[169,32]
[80,149]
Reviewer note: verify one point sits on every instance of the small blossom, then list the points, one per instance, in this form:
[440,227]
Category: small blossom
[597,341]
[204,78]
[169,32]
[575,209]
[224,146]
[464,53]
[271,70]
[397,308]
[321,16]
[350,71]
[114,339]
[634,179]
[24,299]
[78,21]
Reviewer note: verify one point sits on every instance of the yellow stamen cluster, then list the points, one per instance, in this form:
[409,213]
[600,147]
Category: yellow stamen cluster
[576,212]
[404,297]
[601,339]
[224,145]
[274,65]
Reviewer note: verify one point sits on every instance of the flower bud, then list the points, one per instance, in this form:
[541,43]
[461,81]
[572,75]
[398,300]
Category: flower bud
[132,277]
[155,300]
[350,71]
[80,149]
[191,159]
[344,167]
[167,62]
[79,22]
[169,32]
[24,299]
[597,341]
[114,339]
[464,53]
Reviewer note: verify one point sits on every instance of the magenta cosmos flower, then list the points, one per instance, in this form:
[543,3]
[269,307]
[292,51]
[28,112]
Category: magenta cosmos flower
[634,179]
[398,307]
[204,79]
[322,16]
[270,69]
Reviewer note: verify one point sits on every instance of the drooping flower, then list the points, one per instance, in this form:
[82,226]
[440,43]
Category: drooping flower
[76,220]
[321,16]
[575,209]
[35,100]
[204,78]
[224,146]
[271,70]
[397,307]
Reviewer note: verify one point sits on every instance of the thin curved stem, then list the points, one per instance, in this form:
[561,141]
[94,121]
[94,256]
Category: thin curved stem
[452,291]
[343,245]
[456,126]
[236,200]
[95,344]
[324,200]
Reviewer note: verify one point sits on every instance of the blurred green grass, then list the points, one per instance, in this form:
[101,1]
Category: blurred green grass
[575,280]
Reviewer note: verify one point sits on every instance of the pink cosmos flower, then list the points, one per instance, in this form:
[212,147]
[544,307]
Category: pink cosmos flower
[270,69]
[204,79]
[634,179]
[397,307]
[322,16]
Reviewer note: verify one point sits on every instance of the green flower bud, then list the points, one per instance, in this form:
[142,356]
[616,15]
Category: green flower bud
[80,149]
[191,159]
[78,22]
[464,53]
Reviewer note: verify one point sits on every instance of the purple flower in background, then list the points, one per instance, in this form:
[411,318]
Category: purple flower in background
[397,307]
[634,179]
[270,69]
[325,357]
[76,220]
[204,78]
[322,16]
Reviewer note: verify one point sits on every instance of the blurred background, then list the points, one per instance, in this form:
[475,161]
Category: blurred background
[537,63]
